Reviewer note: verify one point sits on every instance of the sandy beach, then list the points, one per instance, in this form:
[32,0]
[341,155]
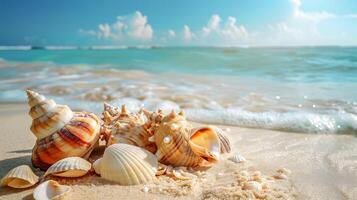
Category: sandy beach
[322,166]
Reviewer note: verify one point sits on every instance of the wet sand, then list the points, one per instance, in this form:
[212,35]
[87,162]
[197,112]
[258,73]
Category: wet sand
[322,166]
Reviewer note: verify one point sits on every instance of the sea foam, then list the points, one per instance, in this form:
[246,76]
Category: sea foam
[304,122]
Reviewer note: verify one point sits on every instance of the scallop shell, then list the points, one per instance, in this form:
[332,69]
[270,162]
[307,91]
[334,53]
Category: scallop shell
[20,177]
[180,145]
[60,132]
[127,127]
[127,165]
[69,167]
[51,190]
[237,158]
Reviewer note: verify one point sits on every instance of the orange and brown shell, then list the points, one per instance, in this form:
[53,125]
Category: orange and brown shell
[60,132]
[124,127]
[178,144]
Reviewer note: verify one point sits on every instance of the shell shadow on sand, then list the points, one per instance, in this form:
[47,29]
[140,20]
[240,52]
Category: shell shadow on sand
[21,151]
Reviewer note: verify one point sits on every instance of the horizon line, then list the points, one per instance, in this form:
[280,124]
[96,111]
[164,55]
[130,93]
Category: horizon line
[123,47]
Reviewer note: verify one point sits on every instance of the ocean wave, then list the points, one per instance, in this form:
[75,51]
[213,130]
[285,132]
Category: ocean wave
[108,47]
[302,122]
[19,48]
[61,47]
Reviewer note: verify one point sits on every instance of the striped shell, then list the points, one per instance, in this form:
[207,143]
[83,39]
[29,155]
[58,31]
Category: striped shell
[60,132]
[51,190]
[237,158]
[180,145]
[127,127]
[224,140]
[69,167]
[20,177]
[127,165]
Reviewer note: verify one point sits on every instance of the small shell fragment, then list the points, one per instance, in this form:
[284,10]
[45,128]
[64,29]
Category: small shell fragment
[284,171]
[237,158]
[51,190]
[20,177]
[280,176]
[252,185]
[69,167]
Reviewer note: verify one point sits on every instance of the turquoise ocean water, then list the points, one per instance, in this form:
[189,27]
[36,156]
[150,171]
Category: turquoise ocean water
[304,89]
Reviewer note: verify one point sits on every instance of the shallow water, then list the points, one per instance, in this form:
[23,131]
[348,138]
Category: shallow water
[310,90]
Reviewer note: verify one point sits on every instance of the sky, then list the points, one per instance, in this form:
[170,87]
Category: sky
[178,23]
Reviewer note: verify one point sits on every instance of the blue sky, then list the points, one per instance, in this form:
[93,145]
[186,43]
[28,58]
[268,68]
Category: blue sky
[167,22]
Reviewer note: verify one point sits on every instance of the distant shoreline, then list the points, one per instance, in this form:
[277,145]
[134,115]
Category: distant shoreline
[123,47]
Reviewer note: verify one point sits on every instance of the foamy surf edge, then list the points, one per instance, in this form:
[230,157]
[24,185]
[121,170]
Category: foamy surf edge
[301,122]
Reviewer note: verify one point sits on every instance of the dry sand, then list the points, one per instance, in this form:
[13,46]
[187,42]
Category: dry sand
[322,167]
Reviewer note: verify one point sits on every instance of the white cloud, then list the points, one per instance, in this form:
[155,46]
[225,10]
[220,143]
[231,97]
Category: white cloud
[234,32]
[212,25]
[311,16]
[104,31]
[187,34]
[171,33]
[229,32]
[133,27]
[140,29]
[301,28]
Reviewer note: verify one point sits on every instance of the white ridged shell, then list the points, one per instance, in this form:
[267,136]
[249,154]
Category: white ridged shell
[237,158]
[127,165]
[51,190]
[69,167]
[20,177]
[224,140]
[252,185]
[96,166]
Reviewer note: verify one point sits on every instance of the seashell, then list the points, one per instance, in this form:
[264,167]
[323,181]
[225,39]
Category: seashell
[283,171]
[280,176]
[96,166]
[20,177]
[223,138]
[180,145]
[127,128]
[252,185]
[175,173]
[127,165]
[51,190]
[237,158]
[69,167]
[60,132]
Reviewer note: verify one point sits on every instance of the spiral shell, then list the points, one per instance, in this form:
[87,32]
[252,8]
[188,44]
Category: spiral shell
[69,167]
[60,132]
[127,165]
[20,177]
[51,190]
[127,127]
[180,145]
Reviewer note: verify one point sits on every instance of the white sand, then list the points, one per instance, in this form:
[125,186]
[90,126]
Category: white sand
[323,166]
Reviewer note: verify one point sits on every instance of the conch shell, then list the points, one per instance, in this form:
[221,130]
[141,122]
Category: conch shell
[69,167]
[20,177]
[126,127]
[51,190]
[127,165]
[180,145]
[60,132]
